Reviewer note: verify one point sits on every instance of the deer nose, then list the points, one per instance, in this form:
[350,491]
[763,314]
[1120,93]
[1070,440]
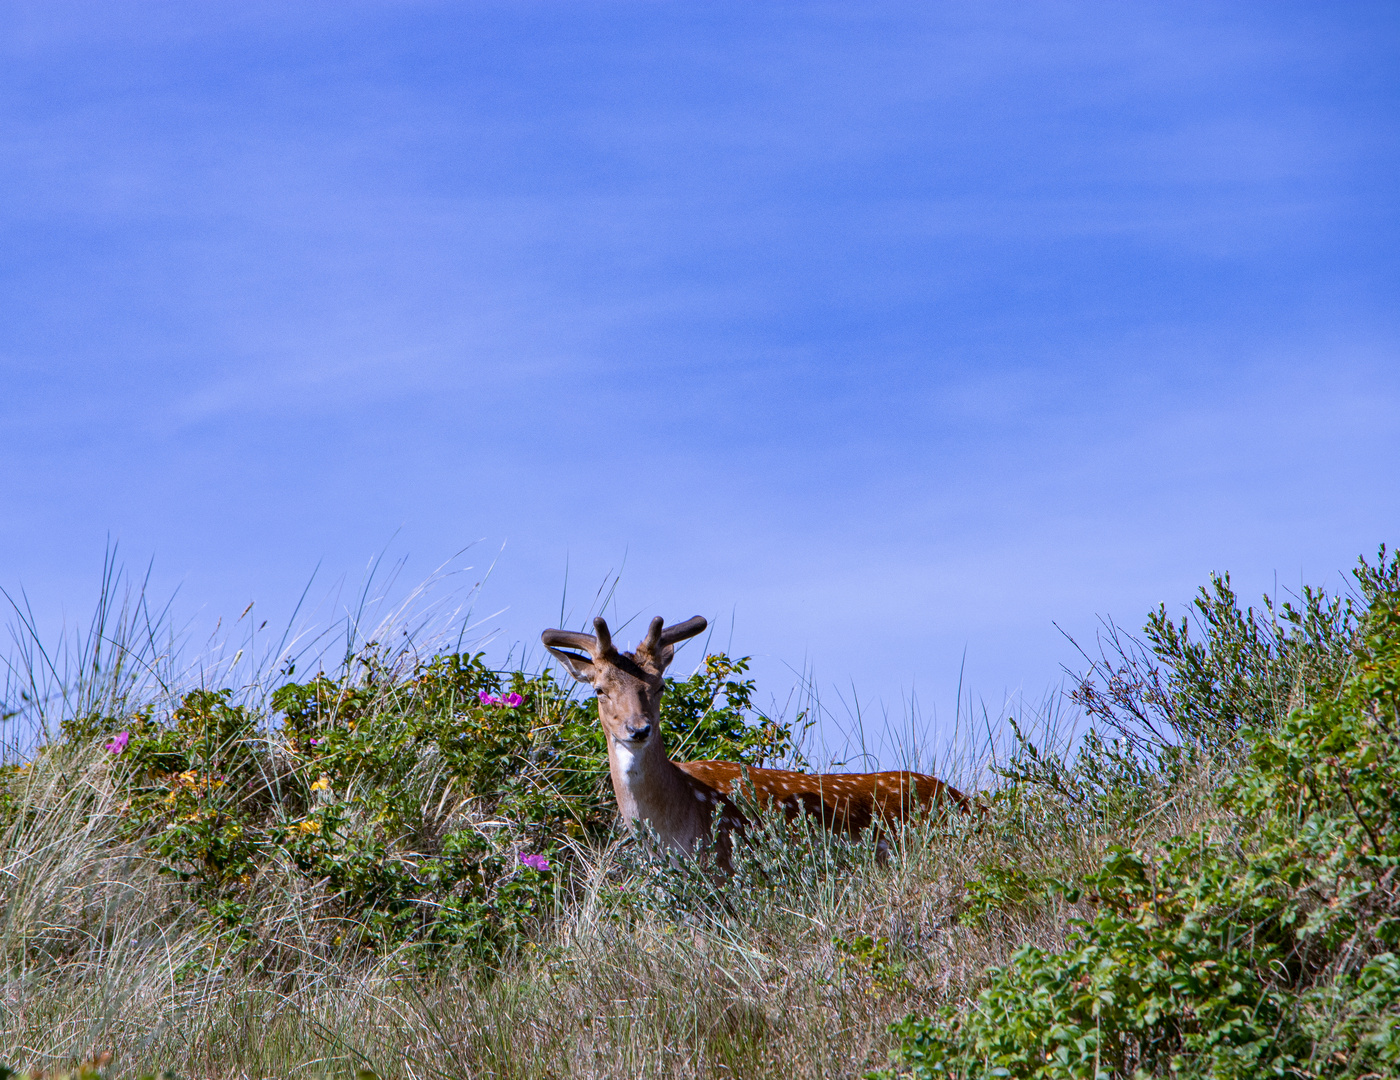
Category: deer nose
[638,734]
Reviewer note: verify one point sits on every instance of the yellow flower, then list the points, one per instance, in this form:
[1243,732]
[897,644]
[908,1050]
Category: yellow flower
[310,826]
[322,784]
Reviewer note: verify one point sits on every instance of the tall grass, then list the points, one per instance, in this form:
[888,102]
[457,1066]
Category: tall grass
[796,966]
[803,979]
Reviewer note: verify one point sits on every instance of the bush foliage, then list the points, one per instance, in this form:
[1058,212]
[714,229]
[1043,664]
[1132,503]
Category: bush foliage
[1264,942]
[419,802]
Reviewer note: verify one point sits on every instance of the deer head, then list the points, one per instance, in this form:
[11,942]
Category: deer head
[629,687]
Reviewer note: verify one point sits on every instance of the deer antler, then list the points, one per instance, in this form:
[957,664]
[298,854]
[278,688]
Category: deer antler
[654,651]
[681,631]
[605,643]
[598,648]
[568,639]
[650,652]
[657,647]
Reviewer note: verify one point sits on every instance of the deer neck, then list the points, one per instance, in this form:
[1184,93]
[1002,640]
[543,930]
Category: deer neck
[649,787]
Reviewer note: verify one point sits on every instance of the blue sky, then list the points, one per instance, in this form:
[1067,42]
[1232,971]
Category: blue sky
[885,334]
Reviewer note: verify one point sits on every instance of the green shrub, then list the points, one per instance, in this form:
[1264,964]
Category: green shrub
[409,799]
[1194,684]
[1260,946]
[702,727]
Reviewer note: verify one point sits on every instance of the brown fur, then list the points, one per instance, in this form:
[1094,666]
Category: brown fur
[678,800]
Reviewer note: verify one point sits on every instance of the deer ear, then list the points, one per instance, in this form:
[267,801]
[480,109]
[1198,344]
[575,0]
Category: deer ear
[580,667]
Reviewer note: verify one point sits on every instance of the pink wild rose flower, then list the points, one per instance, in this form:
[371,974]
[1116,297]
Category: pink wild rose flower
[119,741]
[534,862]
[513,700]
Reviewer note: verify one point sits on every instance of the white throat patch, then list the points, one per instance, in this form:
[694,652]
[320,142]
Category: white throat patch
[627,759]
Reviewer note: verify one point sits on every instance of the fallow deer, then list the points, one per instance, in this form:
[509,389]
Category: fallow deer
[678,799]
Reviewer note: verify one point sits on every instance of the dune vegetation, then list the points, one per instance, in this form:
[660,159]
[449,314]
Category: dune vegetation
[408,864]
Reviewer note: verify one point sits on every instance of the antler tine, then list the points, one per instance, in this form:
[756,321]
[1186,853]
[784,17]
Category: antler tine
[568,639]
[651,654]
[605,641]
[681,631]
